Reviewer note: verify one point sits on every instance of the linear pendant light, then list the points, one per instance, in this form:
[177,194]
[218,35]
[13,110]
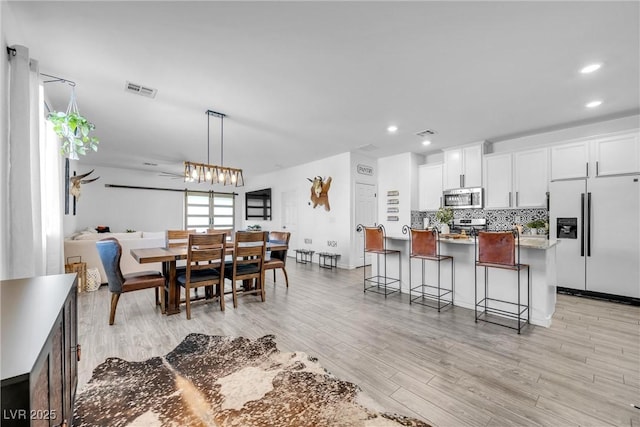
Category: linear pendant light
[213,174]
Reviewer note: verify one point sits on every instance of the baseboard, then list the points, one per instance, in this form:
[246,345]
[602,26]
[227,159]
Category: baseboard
[600,295]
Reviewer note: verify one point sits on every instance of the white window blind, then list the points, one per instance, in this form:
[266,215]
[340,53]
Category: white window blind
[212,210]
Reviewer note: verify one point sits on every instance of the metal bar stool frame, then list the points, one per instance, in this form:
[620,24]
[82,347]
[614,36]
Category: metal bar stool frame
[379,284]
[512,263]
[425,246]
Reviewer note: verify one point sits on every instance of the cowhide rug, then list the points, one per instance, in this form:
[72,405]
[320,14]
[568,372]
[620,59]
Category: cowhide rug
[225,381]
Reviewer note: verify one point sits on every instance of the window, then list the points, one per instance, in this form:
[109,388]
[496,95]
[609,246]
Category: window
[209,210]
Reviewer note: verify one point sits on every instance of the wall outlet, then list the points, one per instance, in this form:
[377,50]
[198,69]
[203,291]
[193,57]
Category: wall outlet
[307,241]
[518,219]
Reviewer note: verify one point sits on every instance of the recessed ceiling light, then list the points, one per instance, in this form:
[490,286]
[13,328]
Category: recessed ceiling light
[392,129]
[426,142]
[593,104]
[590,68]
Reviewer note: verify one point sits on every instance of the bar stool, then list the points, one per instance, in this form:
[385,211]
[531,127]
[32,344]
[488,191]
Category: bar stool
[425,246]
[375,243]
[498,250]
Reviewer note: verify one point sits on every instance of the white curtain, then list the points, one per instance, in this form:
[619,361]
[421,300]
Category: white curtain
[33,209]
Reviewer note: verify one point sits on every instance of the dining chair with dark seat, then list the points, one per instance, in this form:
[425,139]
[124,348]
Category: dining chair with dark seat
[110,253]
[247,264]
[205,263]
[179,239]
[278,258]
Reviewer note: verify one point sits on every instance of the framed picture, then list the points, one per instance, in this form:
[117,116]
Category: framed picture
[392,218]
[393,210]
[393,201]
[393,193]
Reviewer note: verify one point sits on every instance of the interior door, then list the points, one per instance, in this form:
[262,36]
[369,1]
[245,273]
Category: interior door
[366,213]
[290,216]
[565,206]
[613,255]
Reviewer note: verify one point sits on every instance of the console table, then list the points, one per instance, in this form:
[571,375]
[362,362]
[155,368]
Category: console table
[40,352]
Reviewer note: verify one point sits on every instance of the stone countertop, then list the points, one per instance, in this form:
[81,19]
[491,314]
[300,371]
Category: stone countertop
[525,241]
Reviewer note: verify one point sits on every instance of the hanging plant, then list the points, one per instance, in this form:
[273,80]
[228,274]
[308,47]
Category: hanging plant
[73,129]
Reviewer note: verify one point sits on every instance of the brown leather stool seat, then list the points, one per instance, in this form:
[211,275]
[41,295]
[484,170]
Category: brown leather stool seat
[425,246]
[501,250]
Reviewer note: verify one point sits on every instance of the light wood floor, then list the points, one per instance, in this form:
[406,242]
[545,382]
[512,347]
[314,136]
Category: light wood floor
[443,368]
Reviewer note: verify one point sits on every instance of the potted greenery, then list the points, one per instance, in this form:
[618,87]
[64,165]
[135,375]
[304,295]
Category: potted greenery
[73,129]
[444,216]
[538,226]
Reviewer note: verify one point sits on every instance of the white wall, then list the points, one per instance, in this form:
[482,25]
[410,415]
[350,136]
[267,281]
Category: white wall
[121,209]
[135,209]
[316,224]
[398,173]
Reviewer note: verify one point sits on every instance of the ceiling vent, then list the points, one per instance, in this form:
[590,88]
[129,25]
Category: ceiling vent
[367,147]
[426,132]
[140,90]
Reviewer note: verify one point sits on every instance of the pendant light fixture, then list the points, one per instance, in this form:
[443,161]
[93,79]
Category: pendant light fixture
[213,174]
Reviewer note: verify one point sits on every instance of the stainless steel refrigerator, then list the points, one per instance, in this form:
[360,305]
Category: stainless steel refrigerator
[597,222]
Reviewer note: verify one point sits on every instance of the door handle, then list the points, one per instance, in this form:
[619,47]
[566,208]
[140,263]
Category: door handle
[509,198]
[582,224]
[517,199]
[461,181]
[588,224]
[441,201]
[587,169]
[597,171]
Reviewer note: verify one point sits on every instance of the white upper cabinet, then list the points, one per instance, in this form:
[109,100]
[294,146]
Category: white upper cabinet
[463,166]
[607,156]
[531,178]
[430,187]
[570,161]
[617,155]
[516,180]
[498,191]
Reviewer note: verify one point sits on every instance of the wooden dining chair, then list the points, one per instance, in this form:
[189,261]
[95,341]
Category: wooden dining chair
[248,263]
[110,253]
[179,239]
[205,263]
[278,258]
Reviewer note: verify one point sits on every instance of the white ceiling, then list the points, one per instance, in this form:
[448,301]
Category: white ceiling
[302,81]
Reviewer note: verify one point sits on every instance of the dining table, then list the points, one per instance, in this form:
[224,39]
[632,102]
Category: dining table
[169,258]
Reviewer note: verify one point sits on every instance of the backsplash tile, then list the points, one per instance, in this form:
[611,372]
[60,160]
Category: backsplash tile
[497,219]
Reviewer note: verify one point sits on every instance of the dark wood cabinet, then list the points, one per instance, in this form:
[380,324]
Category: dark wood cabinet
[40,351]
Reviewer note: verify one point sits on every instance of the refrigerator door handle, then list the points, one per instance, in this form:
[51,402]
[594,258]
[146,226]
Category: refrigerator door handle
[582,224]
[589,224]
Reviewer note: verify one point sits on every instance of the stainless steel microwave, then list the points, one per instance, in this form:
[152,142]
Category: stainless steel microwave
[463,198]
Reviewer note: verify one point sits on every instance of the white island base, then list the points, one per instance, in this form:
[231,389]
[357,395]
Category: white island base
[539,253]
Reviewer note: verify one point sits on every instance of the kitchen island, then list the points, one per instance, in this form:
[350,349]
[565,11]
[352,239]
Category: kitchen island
[538,252]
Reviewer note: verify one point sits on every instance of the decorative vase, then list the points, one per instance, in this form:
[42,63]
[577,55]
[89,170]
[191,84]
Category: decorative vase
[444,229]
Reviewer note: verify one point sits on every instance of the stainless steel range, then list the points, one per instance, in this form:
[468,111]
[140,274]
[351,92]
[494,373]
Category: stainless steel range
[467,225]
